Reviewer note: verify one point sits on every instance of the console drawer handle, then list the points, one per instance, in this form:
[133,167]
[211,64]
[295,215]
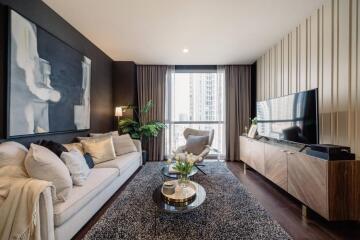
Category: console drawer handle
[291,152]
[282,150]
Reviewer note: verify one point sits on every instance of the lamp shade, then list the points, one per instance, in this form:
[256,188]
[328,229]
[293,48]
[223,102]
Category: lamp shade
[118,112]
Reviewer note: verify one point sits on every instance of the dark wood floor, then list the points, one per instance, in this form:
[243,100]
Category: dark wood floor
[287,211]
[280,205]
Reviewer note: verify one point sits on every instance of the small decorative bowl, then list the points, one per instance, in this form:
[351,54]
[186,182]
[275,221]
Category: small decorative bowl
[169,188]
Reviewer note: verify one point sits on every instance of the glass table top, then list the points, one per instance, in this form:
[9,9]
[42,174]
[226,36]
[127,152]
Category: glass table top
[165,172]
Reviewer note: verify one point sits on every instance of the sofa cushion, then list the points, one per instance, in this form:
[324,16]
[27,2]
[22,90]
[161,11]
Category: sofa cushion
[98,179]
[76,163]
[196,144]
[77,146]
[123,144]
[55,147]
[43,164]
[113,133]
[122,162]
[12,156]
[100,149]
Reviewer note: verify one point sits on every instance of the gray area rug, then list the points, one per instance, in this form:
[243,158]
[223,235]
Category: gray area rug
[229,211]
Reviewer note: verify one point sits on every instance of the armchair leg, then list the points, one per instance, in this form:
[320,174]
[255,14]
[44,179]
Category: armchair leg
[197,166]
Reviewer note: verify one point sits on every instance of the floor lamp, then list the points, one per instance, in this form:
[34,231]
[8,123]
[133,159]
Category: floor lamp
[118,114]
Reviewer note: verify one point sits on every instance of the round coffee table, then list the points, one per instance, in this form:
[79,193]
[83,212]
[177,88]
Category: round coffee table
[166,173]
[163,205]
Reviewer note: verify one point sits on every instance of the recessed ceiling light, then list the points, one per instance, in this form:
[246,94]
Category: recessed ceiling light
[185,50]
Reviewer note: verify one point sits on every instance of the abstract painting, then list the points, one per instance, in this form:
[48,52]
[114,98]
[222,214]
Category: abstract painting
[48,82]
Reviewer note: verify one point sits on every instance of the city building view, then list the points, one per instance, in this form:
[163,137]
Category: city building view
[197,101]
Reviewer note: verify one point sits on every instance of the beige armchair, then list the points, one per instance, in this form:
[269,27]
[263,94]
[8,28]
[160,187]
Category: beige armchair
[207,147]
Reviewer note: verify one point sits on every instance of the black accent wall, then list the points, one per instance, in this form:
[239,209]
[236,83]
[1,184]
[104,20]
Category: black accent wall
[124,84]
[102,108]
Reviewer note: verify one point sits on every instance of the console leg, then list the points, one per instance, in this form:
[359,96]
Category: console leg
[245,168]
[304,211]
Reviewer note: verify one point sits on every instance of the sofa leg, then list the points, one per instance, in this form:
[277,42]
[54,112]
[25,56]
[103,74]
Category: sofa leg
[304,211]
[244,168]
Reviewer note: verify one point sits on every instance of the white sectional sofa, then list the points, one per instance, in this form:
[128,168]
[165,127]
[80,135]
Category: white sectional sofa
[63,220]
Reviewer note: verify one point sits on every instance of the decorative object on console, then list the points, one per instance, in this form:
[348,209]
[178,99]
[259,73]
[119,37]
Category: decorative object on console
[252,131]
[43,164]
[330,152]
[49,82]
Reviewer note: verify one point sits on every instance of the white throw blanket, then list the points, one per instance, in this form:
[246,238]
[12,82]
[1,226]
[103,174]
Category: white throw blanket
[19,207]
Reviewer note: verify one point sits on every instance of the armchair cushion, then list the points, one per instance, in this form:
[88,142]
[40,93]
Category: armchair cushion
[196,144]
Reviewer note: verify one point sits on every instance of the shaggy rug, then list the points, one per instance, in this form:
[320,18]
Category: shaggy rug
[229,211]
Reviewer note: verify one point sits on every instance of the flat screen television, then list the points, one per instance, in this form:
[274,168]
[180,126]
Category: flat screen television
[291,118]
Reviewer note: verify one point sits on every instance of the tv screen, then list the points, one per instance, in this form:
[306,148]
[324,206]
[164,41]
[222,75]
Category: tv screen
[291,118]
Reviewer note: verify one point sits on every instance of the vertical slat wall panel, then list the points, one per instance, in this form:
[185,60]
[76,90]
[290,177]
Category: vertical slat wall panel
[302,57]
[278,75]
[286,66]
[321,52]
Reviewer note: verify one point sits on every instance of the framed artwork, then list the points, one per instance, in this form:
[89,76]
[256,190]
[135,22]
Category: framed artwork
[252,131]
[48,82]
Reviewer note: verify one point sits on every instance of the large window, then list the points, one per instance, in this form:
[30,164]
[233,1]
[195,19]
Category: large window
[196,100]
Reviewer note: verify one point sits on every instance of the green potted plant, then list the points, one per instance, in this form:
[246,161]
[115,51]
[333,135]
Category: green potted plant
[139,129]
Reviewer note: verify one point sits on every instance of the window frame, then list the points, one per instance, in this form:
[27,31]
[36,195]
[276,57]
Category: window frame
[192,69]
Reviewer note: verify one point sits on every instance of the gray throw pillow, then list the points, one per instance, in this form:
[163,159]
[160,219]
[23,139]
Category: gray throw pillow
[76,163]
[196,144]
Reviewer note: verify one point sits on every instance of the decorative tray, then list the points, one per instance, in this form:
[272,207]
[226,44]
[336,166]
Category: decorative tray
[182,195]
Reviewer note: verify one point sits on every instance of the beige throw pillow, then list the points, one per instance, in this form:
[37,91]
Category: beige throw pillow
[43,164]
[100,149]
[123,144]
[12,156]
[196,144]
[113,133]
[74,146]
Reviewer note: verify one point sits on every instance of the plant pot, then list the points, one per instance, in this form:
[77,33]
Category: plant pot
[144,156]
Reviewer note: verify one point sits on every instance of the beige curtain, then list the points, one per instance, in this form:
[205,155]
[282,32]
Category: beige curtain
[238,100]
[151,81]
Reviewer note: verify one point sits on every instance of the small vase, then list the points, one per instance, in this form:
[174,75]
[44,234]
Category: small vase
[184,180]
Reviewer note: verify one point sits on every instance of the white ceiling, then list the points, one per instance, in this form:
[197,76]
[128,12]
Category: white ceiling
[156,31]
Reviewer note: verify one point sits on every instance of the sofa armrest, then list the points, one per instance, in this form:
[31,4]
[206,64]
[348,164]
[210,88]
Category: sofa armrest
[137,145]
[46,213]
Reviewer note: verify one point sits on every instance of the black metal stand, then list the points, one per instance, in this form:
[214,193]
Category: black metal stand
[198,167]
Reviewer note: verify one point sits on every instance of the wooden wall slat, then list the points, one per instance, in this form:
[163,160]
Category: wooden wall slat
[321,52]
